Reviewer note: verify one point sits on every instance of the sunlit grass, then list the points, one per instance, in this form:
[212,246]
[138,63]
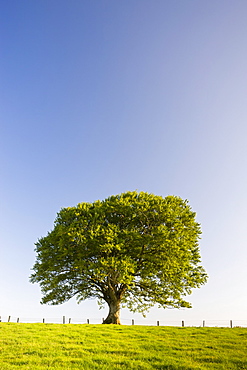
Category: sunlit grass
[57,346]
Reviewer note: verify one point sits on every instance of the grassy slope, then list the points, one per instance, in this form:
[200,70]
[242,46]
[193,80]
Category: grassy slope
[53,346]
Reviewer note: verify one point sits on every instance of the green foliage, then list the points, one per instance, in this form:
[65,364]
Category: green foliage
[97,347]
[137,248]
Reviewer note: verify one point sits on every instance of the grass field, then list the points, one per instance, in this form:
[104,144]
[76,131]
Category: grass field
[57,346]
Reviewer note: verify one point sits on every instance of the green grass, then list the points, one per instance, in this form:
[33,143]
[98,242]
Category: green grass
[103,347]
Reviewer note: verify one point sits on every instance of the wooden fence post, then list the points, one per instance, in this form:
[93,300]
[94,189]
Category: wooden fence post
[230,323]
[182,323]
[69,320]
[43,321]
[158,323]
[203,323]
[63,319]
[87,321]
[17,319]
[133,322]
[9,319]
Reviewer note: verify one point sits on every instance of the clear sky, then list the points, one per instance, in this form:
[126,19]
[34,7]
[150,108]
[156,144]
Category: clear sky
[102,97]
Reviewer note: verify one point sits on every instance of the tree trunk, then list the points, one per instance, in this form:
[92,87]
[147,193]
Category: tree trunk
[114,313]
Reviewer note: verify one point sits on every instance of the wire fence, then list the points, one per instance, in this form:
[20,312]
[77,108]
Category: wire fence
[95,321]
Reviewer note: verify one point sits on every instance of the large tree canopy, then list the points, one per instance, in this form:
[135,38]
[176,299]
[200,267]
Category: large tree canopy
[135,249]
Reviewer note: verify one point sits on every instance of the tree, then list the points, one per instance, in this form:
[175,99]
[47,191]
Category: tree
[133,249]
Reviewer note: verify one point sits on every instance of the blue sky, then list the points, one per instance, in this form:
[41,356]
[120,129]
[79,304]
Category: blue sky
[102,97]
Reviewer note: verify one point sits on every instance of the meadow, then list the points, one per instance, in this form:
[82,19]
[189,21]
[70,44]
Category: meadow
[88,347]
